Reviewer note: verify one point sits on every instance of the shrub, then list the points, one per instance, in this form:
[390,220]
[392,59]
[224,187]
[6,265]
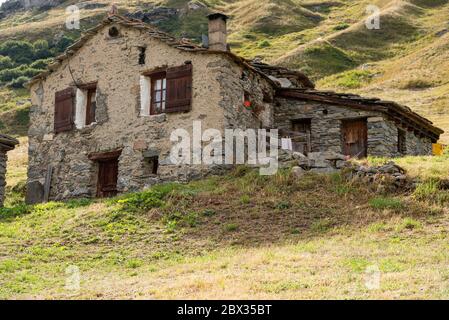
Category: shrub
[22,52]
[63,44]
[41,49]
[6,62]
[341,26]
[41,64]
[18,83]
[264,44]
[8,75]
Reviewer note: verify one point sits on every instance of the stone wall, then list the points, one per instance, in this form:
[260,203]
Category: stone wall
[114,63]
[237,83]
[326,123]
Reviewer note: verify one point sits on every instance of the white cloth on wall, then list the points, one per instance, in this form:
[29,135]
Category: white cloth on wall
[80,109]
[286,144]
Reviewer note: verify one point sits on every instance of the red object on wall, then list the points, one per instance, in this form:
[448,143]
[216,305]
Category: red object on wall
[247,104]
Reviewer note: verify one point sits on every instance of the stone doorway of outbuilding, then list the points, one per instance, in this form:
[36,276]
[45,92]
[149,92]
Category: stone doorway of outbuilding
[107,173]
[355,138]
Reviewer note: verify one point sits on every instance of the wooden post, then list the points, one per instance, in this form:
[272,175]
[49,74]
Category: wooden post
[48,183]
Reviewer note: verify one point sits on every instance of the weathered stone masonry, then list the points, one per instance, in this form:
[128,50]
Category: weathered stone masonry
[6,144]
[326,121]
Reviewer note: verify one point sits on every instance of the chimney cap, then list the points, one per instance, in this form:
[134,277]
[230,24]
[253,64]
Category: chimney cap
[217,15]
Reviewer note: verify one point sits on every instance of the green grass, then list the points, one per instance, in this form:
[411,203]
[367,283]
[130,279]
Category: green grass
[381,203]
[296,234]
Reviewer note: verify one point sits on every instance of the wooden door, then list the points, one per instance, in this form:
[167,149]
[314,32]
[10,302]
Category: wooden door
[301,135]
[107,178]
[355,138]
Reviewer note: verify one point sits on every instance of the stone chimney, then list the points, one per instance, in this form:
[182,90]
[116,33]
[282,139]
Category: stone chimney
[218,32]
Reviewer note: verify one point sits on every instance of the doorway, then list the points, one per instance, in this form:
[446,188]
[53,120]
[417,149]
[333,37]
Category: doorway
[107,173]
[355,138]
[302,133]
[107,178]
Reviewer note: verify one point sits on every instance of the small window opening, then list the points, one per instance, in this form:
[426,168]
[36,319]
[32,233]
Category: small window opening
[152,165]
[247,100]
[158,93]
[402,142]
[113,32]
[142,55]
[325,112]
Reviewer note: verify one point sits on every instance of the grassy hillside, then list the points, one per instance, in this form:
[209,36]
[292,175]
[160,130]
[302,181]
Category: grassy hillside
[405,61]
[238,236]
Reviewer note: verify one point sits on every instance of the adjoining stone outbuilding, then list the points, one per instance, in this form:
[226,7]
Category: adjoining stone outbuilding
[7,143]
[103,113]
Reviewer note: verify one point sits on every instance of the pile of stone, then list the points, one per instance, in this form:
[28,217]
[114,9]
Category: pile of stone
[330,162]
[388,174]
[317,162]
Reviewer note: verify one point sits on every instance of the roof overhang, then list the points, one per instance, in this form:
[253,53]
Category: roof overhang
[7,143]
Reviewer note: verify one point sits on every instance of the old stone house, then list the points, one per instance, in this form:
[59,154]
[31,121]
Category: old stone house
[7,143]
[103,112]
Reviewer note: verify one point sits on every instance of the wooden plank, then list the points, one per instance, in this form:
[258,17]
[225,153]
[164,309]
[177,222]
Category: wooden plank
[47,184]
[97,156]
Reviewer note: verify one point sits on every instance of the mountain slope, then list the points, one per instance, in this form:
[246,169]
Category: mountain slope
[405,60]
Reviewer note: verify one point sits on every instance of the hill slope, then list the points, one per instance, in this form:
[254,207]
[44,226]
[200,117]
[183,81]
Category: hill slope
[406,60]
[239,236]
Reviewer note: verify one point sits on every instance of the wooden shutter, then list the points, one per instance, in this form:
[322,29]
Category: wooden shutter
[179,89]
[64,101]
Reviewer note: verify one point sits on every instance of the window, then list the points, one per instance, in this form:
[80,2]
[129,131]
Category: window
[402,142]
[86,105]
[158,93]
[166,90]
[113,32]
[142,55]
[152,165]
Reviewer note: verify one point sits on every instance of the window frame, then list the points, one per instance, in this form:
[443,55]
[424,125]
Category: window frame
[154,78]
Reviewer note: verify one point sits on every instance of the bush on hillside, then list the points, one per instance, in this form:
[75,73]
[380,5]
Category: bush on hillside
[18,83]
[41,49]
[6,62]
[8,75]
[22,52]
[41,64]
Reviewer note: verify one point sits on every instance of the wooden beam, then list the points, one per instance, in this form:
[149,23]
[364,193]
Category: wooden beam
[329,100]
[99,156]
